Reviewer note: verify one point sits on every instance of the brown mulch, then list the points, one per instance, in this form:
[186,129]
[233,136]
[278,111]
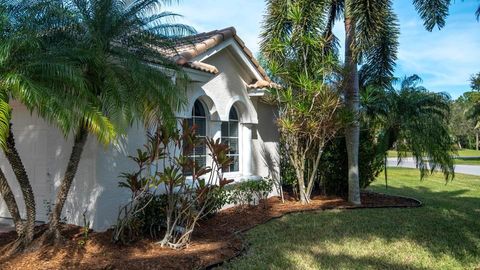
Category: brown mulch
[215,240]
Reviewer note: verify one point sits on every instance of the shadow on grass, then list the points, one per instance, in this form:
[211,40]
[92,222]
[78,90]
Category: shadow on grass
[447,225]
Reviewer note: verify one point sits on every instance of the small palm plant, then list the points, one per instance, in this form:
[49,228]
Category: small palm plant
[33,74]
[412,120]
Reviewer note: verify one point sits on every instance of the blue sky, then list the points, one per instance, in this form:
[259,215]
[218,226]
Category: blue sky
[445,59]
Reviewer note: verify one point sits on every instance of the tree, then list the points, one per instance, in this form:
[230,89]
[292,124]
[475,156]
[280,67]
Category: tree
[34,75]
[371,30]
[414,120]
[116,42]
[309,102]
[462,128]
[475,81]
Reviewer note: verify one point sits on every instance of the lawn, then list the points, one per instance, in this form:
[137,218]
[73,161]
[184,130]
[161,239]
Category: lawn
[467,161]
[443,234]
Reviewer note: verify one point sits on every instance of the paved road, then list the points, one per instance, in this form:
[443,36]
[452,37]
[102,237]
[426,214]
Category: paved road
[410,163]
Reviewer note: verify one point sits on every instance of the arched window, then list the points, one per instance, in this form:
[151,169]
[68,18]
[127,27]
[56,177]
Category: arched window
[199,120]
[230,138]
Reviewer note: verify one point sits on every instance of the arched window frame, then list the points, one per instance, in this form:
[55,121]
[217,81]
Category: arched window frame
[231,137]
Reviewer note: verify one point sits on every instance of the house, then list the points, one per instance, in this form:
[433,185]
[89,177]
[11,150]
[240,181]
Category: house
[226,91]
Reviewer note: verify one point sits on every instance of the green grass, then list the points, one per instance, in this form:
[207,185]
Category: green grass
[469,161]
[443,234]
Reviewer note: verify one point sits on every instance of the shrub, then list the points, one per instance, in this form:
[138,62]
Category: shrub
[334,170]
[251,192]
[186,197]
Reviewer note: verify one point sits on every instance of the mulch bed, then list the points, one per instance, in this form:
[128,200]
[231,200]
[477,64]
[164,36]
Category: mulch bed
[215,240]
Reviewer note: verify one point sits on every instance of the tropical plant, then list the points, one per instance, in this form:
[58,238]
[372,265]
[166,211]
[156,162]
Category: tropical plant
[118,44]
[371,39]
[415,122]
[33,74]
[189,192]
[309,102]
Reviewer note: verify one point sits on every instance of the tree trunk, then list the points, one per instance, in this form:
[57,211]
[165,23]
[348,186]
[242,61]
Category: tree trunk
[12,205]
[20,173]
[55,216]
[352,131]
[476,141]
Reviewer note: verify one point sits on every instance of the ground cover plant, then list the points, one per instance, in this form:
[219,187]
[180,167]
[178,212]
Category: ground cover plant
[443,234]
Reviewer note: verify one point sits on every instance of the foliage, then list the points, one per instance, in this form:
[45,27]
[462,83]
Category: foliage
[462,127]
[118,46]
[414,121]
[334,173]
[161,178]
[250,192]
[475,82]
[294,48]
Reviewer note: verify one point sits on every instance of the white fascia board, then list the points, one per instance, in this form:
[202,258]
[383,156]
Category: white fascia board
[193,74]
[236,48]
[257,92]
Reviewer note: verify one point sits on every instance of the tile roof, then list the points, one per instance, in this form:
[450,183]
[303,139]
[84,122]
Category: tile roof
[185,49]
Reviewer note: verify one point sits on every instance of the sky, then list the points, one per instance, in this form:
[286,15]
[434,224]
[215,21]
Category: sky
[445,59]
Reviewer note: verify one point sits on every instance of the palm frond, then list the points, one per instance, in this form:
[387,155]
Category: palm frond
[433,12]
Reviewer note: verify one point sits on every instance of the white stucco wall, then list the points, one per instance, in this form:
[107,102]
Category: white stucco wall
[45,151]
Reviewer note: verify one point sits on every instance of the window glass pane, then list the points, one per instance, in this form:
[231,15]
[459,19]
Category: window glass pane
[201,124]
[200,150]
[224,129]
[226,141]
[201,161]
[233,147]
[234,167]
[233,129]
[198,109]
[233,114]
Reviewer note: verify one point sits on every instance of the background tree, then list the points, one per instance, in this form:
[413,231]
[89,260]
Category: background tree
[414,121]
[461,127]
[371,30]
[309,102]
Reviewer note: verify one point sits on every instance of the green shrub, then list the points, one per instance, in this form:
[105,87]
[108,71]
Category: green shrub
[152,217]
[333,171]
[250,192]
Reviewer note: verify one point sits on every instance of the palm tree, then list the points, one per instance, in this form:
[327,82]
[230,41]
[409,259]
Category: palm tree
[39,79]
[116,42]
[309,100]
[412,120]
[371,30]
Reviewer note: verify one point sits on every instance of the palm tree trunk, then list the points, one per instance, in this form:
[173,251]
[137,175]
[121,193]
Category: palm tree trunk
[476,141]
[351,84]
[78,145]
[20,173]
[12,205]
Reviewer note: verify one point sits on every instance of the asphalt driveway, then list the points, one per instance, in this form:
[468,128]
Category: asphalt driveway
[410,163]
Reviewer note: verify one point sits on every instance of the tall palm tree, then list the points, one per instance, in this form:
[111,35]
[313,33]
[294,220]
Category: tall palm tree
[116,43]
[371,39]
[44,83]
[413,120]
